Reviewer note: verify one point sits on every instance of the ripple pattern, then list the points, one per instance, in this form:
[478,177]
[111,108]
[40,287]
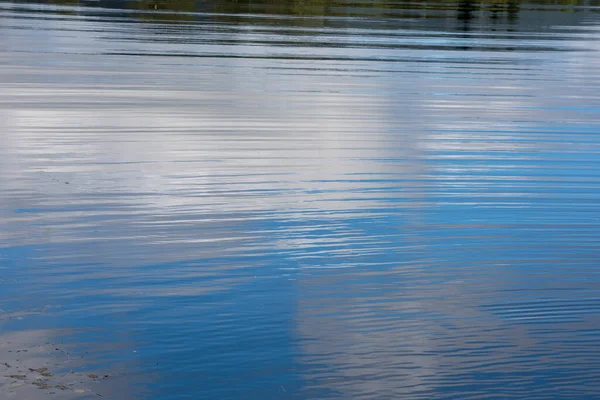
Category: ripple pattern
[309,200]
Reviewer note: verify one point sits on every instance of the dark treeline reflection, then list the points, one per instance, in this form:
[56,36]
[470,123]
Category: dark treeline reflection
[464,11]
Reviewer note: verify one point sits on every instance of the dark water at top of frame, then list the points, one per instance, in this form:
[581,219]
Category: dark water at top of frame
[304,199]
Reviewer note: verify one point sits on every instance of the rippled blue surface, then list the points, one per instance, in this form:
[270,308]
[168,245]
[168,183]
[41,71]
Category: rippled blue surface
[308,200]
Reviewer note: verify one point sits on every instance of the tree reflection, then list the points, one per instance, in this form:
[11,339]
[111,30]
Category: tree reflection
[464,11]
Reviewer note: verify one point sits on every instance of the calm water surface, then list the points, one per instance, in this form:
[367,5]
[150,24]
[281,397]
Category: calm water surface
[309,200]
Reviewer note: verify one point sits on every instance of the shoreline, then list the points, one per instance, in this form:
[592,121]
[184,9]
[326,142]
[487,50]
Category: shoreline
[33,368]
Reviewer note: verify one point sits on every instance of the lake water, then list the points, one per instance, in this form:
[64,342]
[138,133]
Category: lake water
[300,199]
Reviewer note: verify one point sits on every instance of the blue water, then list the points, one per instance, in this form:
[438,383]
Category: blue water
[309,200]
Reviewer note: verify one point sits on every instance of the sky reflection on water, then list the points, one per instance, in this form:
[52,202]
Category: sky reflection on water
[328,201]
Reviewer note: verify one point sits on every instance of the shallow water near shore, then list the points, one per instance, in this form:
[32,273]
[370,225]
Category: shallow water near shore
[310,200]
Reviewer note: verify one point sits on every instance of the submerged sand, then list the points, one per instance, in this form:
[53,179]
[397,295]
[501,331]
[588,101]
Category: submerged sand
[32,369]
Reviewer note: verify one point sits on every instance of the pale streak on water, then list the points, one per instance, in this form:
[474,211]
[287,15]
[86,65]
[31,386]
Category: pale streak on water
[356,203]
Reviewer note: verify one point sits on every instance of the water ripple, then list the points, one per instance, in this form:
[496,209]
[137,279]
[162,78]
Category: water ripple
[320,199]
